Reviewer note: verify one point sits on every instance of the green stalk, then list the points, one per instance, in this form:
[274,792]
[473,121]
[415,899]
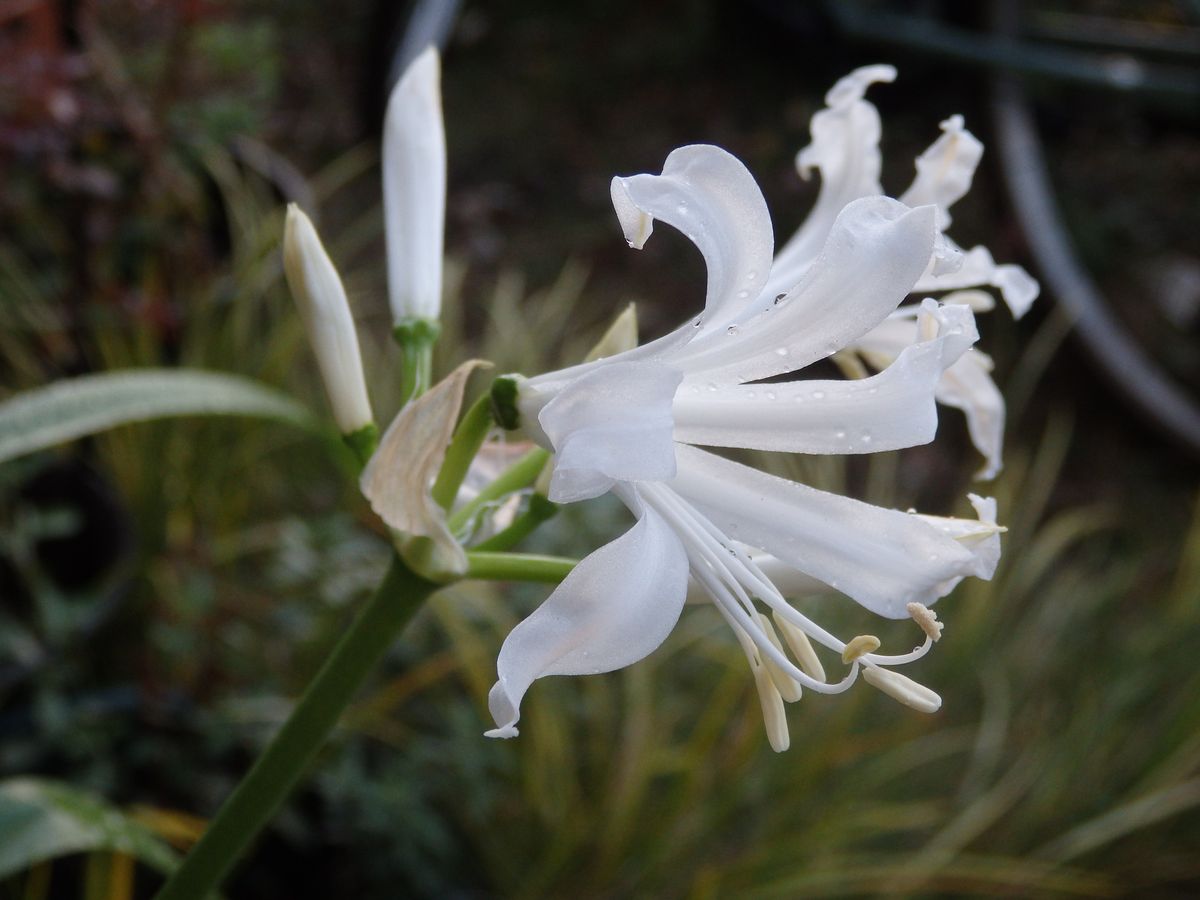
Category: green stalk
[540,510]
[519,475]
[260,794]
[518,567]
[468,438]
[416,338]
[362,443]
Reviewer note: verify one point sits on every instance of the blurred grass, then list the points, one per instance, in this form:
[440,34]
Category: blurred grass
[1065,762]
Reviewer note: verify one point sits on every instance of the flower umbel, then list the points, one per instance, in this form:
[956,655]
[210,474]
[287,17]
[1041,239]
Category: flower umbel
[628,424]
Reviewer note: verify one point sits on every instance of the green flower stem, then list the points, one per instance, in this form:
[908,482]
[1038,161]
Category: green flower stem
[362,442]
[540,510]
[518,567]
[416,338]
[468,438]
[258,796]
[519,475]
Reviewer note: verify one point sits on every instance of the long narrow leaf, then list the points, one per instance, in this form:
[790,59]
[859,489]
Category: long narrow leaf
[41,820]
[66,410]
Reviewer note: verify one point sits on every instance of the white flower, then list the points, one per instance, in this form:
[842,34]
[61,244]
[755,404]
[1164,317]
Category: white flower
[627,423]
[319,294]
[845,148]
[414,190]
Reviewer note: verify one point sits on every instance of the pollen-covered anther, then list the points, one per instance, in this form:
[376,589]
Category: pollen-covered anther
[927,619]
[774,715]
[859,646]
[801,647]
[903,689]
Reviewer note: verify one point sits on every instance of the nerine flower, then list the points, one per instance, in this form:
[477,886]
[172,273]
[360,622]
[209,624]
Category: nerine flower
[845,150]
[631,425]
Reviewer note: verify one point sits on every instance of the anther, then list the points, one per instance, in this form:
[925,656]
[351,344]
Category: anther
[859,646]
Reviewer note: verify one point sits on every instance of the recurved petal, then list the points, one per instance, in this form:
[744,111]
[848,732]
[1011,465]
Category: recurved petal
[398,478]
[615,608]
[945,170]
[893,409]
[414,189]
[968,385]
[877,249]
[612,424]
[1016,286]
[708,195]
[881,558]
[845,149]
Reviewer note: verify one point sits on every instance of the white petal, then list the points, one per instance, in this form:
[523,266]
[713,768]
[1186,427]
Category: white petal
[712,198]
[981,535]
[321,299]
[612,424]
[887,411]
[1016,286]
[945,170]
[876,250]
[968,385]
[398,478]
[845,148]
[616,607]
[414,190]
[881,558]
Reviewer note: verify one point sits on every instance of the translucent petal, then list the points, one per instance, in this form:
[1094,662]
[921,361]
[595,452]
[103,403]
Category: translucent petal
[414,190]
[875,251]
[887,411]
[945,170]
[968,385]
[612,424]
[398,478]
[617,606]
[708,195]
[1016,286]
[881,558]
[845,148]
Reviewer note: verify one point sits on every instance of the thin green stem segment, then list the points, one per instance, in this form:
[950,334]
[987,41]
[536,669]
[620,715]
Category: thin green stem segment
[281,765]
[519,475]
[518,567]
[416,338]
[540,509]
[362,443]
[468,438]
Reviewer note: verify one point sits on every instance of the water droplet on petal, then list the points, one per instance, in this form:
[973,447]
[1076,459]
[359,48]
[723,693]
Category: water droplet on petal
[770,395]
[781,351]
[742,295]
[750,395]
[699,321]
[865,437]
[818,395]
[732,329]
[841,435]
[712,386]
[780,298]
[751,275]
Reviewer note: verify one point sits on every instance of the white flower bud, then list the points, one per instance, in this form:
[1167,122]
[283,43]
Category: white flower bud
[322,302]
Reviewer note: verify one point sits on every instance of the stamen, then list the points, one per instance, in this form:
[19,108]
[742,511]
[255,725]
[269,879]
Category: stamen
[774,715]
[788,687]
[927,619]
[903,689]
[800,646]
[859,646]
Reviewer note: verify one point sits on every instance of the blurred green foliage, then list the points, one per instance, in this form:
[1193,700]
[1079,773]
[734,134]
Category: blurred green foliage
[168,587]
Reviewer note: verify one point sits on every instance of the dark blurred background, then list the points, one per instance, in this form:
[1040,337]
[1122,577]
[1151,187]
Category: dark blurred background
[165,588]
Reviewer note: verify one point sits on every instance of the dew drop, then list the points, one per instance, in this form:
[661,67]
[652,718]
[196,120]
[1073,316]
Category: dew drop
[818,395]
[781,351]
[742,295]
[695,390]
[780,298]
[699,321]
[873,390]
[732,329]
[750,395]
[712,386]
[865,437]
[770,395]
[841,435]
[751,275]
[683,209]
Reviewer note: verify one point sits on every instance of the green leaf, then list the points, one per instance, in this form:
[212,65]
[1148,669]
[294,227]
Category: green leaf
[42,819]
[66,410]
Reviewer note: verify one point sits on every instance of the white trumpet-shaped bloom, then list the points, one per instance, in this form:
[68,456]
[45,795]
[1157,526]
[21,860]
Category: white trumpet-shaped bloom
[321,299]
[629,424]
[414,190]
[845,150]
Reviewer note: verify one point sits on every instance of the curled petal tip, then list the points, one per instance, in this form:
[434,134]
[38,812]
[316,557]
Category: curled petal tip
[504,733]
